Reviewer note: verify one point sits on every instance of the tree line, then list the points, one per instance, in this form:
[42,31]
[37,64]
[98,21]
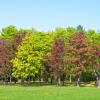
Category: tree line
[65,54]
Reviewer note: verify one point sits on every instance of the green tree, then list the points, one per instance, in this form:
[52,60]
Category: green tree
[80,28]
[93,39]
[8,32]
[65,33]
[29,58]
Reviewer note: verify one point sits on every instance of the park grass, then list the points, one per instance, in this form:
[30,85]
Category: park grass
[48,93]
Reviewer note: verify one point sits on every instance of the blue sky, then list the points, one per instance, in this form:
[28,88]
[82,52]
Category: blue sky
[46,15]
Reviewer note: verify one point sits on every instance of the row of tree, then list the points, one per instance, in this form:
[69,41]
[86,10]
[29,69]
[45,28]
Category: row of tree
[64,54]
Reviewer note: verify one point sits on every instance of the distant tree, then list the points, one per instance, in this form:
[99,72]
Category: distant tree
[80,28]
[9,32]
[65,33]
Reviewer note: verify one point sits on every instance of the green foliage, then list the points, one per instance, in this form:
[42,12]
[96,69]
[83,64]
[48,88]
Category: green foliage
[93,37]
[65,33]
[28,48]
[80,28]
[29,58]
[9,32]
[88,76]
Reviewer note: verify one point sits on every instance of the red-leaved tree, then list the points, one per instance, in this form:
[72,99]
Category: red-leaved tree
[80,52]
[55,61]
[4,59]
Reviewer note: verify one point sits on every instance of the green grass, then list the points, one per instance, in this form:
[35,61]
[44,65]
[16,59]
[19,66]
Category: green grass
[48,93]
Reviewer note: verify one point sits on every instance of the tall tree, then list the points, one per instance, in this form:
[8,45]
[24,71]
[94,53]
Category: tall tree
[29,58]
[78,52]
[93,39]
[4,59]
[55,61]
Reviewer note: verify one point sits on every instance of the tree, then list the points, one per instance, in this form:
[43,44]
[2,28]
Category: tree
[9,32]
[97,68]
[94,40]
[29,58]
[4,59]
[65,33]
[78,52]
[80,28]
[55,60]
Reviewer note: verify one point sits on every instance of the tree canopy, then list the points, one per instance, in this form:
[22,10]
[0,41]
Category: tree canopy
[54,56]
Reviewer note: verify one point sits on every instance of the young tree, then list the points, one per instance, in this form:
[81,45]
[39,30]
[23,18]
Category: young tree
[55,61]
[4,59]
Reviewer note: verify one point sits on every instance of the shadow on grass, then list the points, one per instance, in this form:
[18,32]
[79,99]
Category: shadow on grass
[39,84]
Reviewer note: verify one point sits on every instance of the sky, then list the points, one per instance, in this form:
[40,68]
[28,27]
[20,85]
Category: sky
[46,15]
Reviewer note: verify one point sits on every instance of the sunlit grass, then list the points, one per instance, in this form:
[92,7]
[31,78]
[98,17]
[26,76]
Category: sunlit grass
[48,93]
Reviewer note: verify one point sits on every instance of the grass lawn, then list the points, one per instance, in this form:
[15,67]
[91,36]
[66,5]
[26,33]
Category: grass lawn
[48,93]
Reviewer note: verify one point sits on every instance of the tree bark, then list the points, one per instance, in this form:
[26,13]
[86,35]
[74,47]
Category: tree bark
[70,78]
[59,81]
[63,79]
[98,81]
[10,79]
[78,81]
[51,80]
[5,80]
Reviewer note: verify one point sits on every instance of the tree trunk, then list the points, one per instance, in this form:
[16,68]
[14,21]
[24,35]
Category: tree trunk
[97,78]
[45,78]
[63,79]
[78,81]
[70,78]
[40,76]
[98,81]
[22,81]
[10,79]
[59,80]
[15,81]
[40,80]
[51,81]
[29,80]
[5,80]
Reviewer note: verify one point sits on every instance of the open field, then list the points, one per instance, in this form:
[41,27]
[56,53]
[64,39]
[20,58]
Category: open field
[48,93]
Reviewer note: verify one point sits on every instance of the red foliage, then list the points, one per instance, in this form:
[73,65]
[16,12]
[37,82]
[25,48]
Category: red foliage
[81,51]
[17,39]
[4,55]
[98,53]
[55,61]
[7,52]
